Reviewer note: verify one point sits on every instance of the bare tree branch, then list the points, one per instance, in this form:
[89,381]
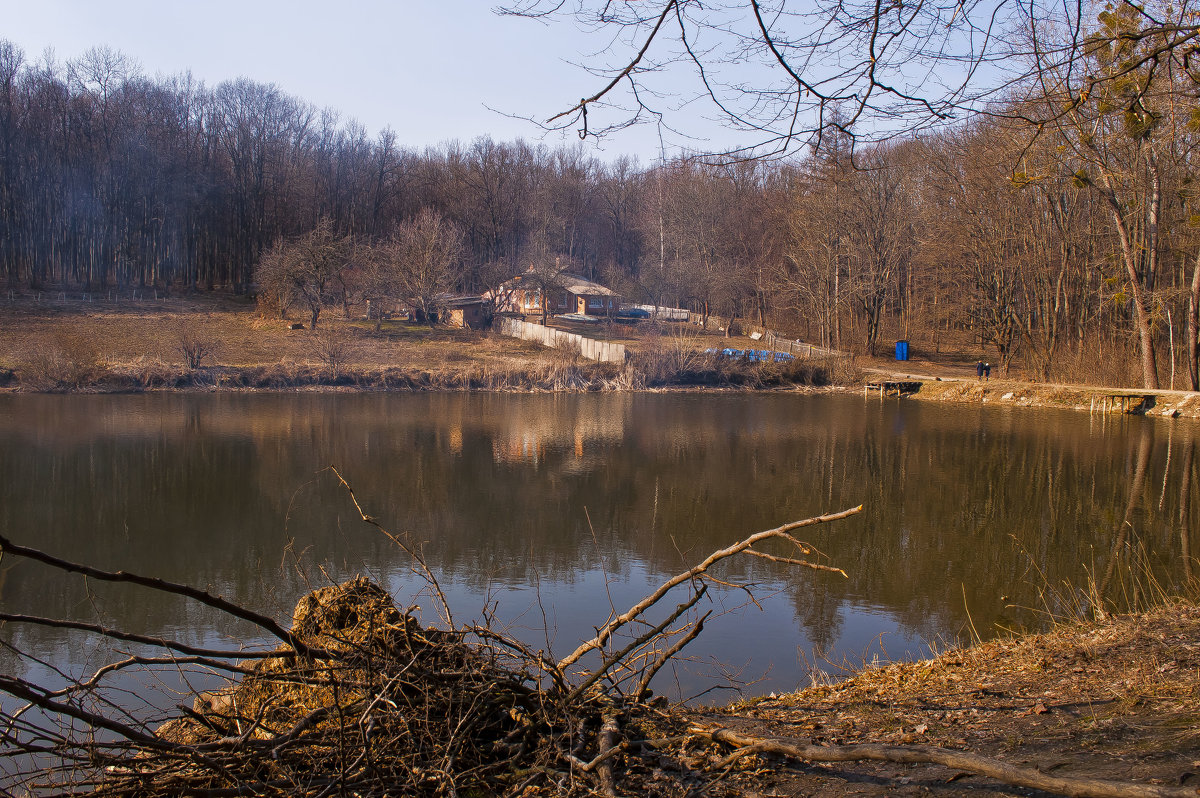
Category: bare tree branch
[958,760]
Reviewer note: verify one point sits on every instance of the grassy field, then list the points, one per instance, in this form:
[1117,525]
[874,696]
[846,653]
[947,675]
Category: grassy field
[72,343]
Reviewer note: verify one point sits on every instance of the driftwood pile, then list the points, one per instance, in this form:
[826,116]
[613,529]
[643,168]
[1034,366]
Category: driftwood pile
[381,705]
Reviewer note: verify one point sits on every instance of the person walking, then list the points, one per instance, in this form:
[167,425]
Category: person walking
[987,372]
[979,370]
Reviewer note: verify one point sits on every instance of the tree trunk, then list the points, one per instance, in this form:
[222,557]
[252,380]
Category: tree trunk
[1193,328]
[1141,312]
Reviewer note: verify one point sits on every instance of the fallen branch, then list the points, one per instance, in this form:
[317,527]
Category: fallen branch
[610,733]
[921,755]
[643,688]
[127,637]
[412,551]
[624,654]
[162,585]
[610,628]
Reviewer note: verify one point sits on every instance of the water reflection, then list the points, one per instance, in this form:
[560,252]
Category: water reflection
[558,503]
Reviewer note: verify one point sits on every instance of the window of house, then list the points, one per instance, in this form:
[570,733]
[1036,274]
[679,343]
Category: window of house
[595,302]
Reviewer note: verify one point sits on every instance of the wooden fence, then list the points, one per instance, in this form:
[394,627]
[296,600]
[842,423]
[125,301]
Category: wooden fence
[777,343]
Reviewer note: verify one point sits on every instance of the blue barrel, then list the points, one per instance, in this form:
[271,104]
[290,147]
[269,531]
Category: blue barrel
[902,350]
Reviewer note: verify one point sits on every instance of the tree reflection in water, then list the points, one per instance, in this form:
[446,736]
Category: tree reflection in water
[556,503]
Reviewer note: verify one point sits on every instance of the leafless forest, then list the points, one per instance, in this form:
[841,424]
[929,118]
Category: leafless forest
[1056,232]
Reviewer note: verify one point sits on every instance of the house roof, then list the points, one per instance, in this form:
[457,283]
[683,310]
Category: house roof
[464,301]
[579,285]
[569,282]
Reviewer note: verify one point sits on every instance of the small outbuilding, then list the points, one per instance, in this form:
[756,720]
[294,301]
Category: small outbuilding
[468,312]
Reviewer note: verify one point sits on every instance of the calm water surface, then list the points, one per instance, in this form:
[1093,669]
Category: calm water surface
[549,508]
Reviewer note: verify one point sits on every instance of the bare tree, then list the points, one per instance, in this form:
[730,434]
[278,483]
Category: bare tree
[422,254]
[813,274]
[780,74]
[375,279]
[880,228]
[304,270]
[544,277]
[1119,119]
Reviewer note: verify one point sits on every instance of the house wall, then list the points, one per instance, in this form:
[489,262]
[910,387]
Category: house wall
[597,304]
[469,316]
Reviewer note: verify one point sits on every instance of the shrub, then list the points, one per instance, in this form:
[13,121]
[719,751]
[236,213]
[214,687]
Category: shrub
[675,359]
[61,364]
[194,348]
[333,348]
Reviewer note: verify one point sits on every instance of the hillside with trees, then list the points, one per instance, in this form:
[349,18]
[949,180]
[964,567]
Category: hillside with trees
[1057,232]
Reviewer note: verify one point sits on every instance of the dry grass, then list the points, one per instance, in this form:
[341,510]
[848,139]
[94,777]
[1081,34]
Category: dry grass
[223,341]
[65,346]
[1117,699]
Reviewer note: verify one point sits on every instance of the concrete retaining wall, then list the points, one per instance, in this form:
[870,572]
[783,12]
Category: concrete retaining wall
[769,338]
[664,314]
[590,348]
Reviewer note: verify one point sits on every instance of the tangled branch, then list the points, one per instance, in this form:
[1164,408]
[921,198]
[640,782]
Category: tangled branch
[359,697]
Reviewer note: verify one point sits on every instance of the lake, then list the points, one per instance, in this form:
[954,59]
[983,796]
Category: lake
[550,509]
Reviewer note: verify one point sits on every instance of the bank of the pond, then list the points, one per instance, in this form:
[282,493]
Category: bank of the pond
[537,376]
[544,376]
[1114,699]
[285,376]
[77,346]
[215,343]
[1015,393]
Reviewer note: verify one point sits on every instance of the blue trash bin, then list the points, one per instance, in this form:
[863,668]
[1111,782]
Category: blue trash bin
[902,350]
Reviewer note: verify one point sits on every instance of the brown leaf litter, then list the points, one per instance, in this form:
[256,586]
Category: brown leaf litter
[1115,699]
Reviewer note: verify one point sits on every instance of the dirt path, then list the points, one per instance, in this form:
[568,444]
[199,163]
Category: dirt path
[945,374]
[948,384]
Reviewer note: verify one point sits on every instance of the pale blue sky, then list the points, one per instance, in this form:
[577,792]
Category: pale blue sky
[429,70]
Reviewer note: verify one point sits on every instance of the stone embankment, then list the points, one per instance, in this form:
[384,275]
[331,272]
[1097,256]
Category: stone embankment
[1095,399]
